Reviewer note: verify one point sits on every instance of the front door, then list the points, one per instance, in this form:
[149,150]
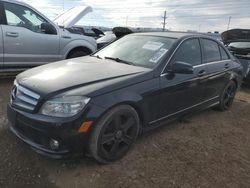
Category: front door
[25,44]
[180,92]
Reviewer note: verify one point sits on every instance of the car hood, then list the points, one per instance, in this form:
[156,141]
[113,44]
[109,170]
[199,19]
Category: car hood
[72,16]
[235,35]
[73,73]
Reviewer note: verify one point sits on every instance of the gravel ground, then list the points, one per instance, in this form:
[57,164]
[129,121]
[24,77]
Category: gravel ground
[207,149]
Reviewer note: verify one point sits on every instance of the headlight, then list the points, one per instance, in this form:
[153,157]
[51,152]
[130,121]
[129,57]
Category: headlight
[66,106]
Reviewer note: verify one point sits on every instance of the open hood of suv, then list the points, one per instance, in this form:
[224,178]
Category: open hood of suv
[72,16]
[235,35]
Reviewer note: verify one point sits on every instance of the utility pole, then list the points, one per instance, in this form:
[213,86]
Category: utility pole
[164,20]
[199,27]
[127,21]
[229,21]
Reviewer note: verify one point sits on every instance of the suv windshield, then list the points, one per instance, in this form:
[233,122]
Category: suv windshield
[240,45]
[145,51]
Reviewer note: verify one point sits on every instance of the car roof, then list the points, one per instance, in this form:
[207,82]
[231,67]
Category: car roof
[172,34]
[15,2]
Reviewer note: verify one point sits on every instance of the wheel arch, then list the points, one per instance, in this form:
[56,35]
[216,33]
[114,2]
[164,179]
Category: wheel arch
[138,111]
[235,79]
[132,104]
[80,48]
[75,44]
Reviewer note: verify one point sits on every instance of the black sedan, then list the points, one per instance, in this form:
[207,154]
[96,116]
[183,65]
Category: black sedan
[99,104]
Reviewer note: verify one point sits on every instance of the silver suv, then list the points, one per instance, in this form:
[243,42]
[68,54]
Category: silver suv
[28,38]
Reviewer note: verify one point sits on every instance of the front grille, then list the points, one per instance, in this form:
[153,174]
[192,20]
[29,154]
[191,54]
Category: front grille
[24,99]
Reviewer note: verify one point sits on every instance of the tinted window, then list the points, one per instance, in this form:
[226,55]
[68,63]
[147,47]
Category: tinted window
[21,16]
[224,54]
[189,52]
[211,51]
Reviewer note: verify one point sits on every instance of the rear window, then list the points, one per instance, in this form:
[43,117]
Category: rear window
[211,51]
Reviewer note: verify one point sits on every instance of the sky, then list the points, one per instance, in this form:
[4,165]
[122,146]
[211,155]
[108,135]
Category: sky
[182,15]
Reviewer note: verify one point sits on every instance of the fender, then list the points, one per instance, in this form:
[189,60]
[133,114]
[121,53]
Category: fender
[110,100]
[136,95]
[117,97]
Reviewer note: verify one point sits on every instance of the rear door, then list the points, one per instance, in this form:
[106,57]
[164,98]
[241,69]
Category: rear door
[218,63]
[25,44]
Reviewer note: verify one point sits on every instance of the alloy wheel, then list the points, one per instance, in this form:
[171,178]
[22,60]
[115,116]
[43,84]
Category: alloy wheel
[117,135]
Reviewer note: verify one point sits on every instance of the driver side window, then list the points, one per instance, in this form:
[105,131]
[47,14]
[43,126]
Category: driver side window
[21,16]
[188,52]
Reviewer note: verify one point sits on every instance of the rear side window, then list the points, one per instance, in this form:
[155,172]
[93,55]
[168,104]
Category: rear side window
[224,55]
[189,52]
[211,51]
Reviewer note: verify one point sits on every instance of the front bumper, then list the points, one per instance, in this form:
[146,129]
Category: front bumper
[38,132]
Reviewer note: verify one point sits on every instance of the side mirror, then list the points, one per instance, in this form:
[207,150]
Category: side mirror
[47,28]
[182,68]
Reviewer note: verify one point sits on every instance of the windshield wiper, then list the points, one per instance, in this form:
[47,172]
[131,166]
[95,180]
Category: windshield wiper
[97,56]
[120,60]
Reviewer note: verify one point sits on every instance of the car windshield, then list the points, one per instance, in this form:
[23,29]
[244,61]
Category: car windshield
[240,45]
[145,51]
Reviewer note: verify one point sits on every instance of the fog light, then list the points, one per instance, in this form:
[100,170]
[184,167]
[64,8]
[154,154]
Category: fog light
[54,144]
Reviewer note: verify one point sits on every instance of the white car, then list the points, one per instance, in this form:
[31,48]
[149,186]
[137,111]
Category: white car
[28,38]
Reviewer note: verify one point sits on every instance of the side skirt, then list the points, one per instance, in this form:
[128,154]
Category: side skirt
[172,117]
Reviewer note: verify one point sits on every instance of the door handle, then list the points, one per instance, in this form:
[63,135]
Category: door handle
[12,34]
[201,73]
[226,65]
[66,37]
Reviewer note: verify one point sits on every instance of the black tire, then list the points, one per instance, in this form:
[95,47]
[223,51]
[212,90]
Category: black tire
[114,134]
[77,53]
[227,96]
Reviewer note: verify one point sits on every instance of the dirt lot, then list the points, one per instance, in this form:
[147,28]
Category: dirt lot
[209,149]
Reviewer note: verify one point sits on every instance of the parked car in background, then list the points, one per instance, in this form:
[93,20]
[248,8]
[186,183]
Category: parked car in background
[111,36]
[238,43]
[101,103]
[28,38]
[216,36]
